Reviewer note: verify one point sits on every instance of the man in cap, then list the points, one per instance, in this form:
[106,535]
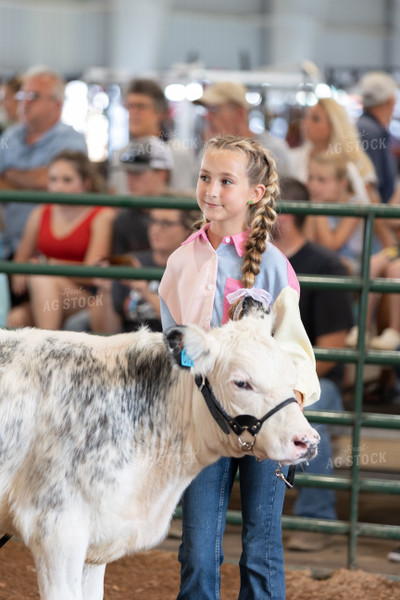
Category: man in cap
[378,92]
[147,163]
[228,113]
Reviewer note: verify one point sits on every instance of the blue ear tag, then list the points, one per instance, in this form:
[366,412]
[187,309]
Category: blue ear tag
[186,361]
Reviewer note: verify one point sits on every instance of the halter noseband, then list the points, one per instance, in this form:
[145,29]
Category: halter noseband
[242,423]
[238,424]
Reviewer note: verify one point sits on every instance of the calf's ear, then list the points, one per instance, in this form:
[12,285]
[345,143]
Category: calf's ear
[189,347]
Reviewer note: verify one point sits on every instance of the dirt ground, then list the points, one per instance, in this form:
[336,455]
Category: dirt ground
[155,576]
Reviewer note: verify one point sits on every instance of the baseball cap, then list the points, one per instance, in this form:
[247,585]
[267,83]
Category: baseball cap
[146,153]
[376,88]
[224,91]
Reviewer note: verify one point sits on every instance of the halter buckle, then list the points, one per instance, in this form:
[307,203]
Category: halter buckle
[247,446]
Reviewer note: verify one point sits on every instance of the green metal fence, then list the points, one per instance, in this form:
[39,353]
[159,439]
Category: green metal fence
[357,419]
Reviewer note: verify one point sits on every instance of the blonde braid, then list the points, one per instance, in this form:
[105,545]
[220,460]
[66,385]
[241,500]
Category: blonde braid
[262,219]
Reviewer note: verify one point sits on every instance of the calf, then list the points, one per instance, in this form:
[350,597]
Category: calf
[100,436]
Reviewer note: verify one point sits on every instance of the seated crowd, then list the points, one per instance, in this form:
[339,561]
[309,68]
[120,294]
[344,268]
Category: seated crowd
[331,162]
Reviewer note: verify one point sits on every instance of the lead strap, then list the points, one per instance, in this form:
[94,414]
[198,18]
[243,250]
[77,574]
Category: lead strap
[282,477]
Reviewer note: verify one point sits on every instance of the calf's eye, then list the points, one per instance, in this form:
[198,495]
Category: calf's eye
[242,385]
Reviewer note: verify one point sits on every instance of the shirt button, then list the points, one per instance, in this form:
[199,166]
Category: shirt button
[227,240]
[210,287]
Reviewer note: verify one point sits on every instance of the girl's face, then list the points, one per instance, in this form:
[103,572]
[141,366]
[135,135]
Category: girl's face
[323,184]
[63,178]
[223,189]
[316,126]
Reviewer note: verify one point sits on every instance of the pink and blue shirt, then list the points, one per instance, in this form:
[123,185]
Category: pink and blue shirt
[198,278]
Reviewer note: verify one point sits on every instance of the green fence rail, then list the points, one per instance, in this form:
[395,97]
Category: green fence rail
[356,484]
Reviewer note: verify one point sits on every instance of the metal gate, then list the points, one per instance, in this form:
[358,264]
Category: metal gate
[357,419]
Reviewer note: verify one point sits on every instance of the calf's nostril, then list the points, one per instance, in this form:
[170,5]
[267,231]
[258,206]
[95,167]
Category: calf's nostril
[301,443]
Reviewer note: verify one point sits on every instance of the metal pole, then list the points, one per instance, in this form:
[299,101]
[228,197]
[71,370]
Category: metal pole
[358,398]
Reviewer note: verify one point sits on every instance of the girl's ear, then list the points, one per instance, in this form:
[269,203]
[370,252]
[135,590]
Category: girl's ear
[257,193]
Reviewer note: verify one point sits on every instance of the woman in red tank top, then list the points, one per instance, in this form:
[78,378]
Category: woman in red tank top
[61,234]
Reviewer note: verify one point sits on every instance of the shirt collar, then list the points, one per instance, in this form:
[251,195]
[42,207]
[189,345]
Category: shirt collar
[238,239]
[200,233]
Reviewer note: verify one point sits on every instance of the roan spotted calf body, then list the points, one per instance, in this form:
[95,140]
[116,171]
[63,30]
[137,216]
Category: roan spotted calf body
[100,436]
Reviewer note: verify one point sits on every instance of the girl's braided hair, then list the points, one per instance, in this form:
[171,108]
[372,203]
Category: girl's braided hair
[261,169]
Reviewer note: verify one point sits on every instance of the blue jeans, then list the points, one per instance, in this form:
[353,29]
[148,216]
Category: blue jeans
[205,504]
[315,502]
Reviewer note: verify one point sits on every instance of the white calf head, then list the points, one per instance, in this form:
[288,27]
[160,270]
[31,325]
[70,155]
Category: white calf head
[249,374]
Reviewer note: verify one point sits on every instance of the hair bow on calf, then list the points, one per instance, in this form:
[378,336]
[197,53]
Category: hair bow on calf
[258,294]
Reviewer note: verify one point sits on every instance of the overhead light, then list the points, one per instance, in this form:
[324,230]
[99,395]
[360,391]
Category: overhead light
[306,98]
[194,91]
[175,92]
[253,98]
[323,90]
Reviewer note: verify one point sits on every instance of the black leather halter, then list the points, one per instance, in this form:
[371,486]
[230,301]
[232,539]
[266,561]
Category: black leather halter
[4,539]
[240,423]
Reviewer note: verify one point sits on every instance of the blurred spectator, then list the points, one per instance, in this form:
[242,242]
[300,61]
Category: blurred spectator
[327,317]
[148,108]
[61,234]
[378,92]
[328,181]
[327,128]
[146,164]
[385,263]
[27,148]
[130,304]
[228,113]
[8,116]
[8,101]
